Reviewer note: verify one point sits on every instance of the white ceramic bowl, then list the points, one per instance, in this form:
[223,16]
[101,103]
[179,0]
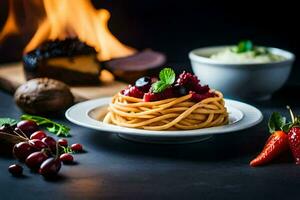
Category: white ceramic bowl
[241,81]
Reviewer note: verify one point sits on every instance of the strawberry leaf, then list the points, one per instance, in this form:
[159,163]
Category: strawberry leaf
[276,122]
[286,128]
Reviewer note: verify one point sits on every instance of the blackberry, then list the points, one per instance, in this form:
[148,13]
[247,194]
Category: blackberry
[143,83]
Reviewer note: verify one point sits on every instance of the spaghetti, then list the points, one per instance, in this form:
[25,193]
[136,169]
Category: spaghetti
[168,114]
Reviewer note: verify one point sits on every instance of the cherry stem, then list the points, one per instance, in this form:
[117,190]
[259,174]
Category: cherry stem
[57,150]
[291,113]
[17,135]
[24,134]
[25,138]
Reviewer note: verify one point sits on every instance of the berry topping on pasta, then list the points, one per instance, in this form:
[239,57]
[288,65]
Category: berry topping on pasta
[167,103]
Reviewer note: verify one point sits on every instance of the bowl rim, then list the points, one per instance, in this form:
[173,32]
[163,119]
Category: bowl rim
[290,57]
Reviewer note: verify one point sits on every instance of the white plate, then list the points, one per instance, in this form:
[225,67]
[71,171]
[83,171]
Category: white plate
[241,116]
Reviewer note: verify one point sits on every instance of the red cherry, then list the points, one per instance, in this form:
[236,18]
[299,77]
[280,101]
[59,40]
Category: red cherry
[34,160]
[37,144]
[28,127]
[50,167]
[63,142]
[76,147]
[38,135]
[22,150]
[66,158]
[15,169]
[51,142]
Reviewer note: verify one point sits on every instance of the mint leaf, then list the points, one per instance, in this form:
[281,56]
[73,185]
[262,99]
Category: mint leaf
[243,46]
[159,86]
[276,122]
[167,75]
[7,120]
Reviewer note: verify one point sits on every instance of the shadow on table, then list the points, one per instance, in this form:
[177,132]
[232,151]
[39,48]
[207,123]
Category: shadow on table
[221,147]
[288,95]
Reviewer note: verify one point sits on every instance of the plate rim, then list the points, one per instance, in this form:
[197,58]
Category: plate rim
[91,104]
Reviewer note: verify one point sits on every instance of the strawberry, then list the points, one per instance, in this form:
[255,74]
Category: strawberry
[294,142]
[294,136]
[276,145]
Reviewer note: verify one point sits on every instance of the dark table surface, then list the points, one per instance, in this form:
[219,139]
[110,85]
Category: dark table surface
[114,168]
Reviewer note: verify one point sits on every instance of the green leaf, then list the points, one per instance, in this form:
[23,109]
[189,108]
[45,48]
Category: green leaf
[286,128]
[9,121]
[276,122]
[261,51]
[159,86]
[167,75]
[66,150]
[243,46]
[51,126]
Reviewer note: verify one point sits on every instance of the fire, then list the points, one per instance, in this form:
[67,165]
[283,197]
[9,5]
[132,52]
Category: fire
[10,27]
[77,19]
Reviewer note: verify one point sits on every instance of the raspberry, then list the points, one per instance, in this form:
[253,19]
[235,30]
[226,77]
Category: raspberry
[187,79]
[200,89]
[133,91]
[192,83]
[150,97]
[199,97]
[166,94]
[122,91]
[185,82]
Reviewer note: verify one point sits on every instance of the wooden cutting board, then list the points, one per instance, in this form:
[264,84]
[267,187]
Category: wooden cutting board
[12,76]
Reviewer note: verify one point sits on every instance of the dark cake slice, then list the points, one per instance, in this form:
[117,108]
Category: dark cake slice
[69,60]
[130,68]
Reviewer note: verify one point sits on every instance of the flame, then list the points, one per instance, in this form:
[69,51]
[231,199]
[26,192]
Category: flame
[10,27]
[77,19]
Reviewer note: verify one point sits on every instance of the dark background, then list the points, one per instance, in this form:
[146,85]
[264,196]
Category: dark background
[215,169]
[176,27]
